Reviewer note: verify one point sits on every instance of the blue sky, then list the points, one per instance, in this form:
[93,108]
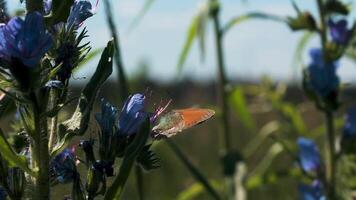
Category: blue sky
[253,49]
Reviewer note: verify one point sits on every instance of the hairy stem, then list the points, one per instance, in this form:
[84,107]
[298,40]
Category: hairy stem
[329,119]
[54,120]
[41,153]
[331,155]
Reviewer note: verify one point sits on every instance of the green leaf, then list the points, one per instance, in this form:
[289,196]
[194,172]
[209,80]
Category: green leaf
[197,29]
[131,153]
[253,15]
[193,170]
[238,102]
[191,34]
[304,21]
[11,157]
[268,158]
[88,58]
[302,43]
[60,11]
[79,121]
[268,129]
[7,105]
[193,191]
[146,6]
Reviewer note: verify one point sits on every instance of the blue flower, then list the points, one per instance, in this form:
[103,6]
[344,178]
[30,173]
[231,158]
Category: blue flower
[26,40]
[311,192]
[3,194]
[339,32]
[107,117]
[81,10]
[309,155]
[47,6]
[63,167]
[350,123]
[323,79]
[132,114]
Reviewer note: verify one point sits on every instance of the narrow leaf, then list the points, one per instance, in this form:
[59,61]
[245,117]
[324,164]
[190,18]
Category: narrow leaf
[146,6]
[253,15]
[79,121]
[10,156]
[238,102]
[133,150]
[192,33]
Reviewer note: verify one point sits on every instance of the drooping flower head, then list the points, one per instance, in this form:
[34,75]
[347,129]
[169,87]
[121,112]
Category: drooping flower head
[26,40]
[107,117]
[323,79]
[309,155]
[349,130]
[339,32]
[63,166]
[80,11]
[132,114]
[311,192]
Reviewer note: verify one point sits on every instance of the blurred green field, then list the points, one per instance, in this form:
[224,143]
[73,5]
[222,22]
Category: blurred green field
[201,143]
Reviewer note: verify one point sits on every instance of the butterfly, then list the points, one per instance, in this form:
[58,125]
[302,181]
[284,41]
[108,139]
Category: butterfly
[176,121]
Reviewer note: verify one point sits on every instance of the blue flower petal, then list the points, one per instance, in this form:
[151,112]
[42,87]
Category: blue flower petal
[132,114]
[311,192]
[309,155]
[339,32]
[26,39]
[322,76]
[81,10]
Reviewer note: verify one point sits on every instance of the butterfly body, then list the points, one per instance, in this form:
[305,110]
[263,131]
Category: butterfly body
[179,120]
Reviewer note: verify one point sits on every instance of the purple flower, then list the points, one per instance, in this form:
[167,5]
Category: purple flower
[309,155]
[26,40]
[63,166]
[107,117]
[47,6]
[132,114]
[81,10]
[323,79]
[350,123]
[339,32]
[311,192]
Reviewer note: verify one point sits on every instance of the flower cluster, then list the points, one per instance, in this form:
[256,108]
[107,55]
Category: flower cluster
[310,162]
[321,79]
[63,166]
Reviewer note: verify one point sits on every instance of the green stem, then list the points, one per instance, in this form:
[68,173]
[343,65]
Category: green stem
[34,5]
[118,58]
[223,82]
[330,176]
[331,155]
[54,120]
[139,182]
[41,153]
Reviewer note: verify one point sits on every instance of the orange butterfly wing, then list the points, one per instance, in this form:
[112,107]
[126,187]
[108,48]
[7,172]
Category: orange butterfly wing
[194,116]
